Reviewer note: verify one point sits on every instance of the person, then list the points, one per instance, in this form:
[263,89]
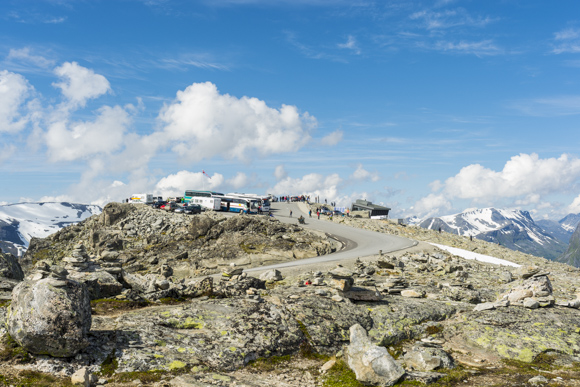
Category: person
[318,213]
[310,214]
[347,212]
[290,213]
[270,214]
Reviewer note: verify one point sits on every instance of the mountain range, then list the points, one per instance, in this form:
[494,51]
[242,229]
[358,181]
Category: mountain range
[21,221]
[514,229]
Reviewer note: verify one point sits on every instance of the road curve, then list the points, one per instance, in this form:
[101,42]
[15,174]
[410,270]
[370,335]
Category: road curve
[357,242]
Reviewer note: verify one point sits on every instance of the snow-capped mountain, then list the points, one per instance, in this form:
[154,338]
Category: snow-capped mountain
[572,255]
[514,229]
[562,229]
[21,221]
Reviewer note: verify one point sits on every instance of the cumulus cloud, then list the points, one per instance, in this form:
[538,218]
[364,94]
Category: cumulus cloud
[280,172]
[176,184]
[431,205]
[524,179]
[79,84]
[238,181]
[363,174]
[574,208]
[14,89]
[6,153]
[313,184]
[522,175]
[202,123]
[333,138]
[83,139]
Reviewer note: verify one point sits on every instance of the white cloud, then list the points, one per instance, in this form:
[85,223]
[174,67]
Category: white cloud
[238,181]
[280,173]
[14,89]
[313,184]
[431,205]
[333,138]
[574,208]
[6,152]
[525,178]
[481,48]
[83,139]
[202,123]
[350,44]
[567,41]
[25,55]
[522,175]
[79,84]
[363,174]
[176,184]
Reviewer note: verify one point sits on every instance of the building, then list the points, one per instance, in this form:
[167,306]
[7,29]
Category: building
[373,209]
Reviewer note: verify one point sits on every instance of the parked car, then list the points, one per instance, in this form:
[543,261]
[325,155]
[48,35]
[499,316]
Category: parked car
[169,206]
[337,213]
[158,204]
[192,209]
[325,211]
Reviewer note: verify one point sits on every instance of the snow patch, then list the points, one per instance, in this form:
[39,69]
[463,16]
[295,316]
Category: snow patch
[475,256]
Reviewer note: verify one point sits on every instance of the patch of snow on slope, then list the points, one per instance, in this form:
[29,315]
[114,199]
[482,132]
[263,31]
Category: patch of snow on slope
[42,219]
[475,256]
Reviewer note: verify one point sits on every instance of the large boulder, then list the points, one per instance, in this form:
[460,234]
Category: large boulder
[51,316]
[372,364]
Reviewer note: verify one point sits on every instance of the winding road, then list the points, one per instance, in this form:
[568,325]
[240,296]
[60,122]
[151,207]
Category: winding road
[356,242]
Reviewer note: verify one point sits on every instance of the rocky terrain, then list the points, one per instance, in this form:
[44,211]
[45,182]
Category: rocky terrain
[158,318]
[572,255]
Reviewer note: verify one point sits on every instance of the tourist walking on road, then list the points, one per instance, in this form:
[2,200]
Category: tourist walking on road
[290,213]
[318,213]
[310,214]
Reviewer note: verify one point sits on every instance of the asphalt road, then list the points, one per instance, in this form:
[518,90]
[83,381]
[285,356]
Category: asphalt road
[357,242]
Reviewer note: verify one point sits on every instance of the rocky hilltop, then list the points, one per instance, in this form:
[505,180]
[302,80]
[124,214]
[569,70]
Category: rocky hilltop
[406,318]
[572,255]
[141,239]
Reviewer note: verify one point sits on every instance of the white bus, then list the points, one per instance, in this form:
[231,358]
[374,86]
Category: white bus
[239,204]
[263,201]
[208,200]
[141,198]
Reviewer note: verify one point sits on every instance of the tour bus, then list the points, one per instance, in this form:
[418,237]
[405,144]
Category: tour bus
[239,204]
[208,200]
[263,201]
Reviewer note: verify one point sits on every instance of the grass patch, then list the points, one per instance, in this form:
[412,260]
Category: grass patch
[340,376]
[109,306]
[110,365]
[5,303]
[12,351]
[269,364]
[434,329]
[32,378]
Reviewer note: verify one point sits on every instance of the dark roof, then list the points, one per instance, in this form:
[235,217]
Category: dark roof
[368,205]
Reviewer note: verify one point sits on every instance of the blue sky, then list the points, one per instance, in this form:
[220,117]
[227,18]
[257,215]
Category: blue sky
[429,107]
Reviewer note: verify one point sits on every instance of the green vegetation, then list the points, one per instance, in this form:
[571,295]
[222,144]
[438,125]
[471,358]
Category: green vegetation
[271,363]
[341,376]
[12,351]
[110,365]
[109,305]
[32,378]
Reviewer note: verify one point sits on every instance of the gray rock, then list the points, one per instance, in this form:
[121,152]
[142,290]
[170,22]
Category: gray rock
[9,267]
[531,303]
[271,275]
[49,320]
[422,361]
[538,380]
[371,364]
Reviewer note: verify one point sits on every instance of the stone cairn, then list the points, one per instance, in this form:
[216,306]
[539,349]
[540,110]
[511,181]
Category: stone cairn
[79,260]
[109,262]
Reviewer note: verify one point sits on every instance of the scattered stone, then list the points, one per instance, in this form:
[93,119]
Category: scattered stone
[531,303]
[410,293]
[538,380]
[328,365]
[371,364]
[271,276]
